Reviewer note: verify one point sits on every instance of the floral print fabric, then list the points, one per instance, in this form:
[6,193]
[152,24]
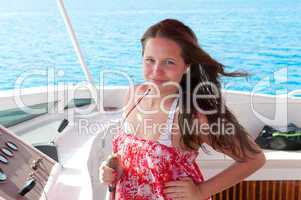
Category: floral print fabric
[147,165]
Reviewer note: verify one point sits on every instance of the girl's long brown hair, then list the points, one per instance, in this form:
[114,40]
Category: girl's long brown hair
[203,69]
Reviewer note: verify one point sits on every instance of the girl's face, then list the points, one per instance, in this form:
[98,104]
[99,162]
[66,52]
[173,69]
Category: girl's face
[162,61]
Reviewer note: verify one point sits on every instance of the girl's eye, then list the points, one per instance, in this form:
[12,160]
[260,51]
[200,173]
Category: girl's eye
[149,60]
[169,62]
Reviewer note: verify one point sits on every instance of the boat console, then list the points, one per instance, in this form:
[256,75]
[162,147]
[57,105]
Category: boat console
[24,171]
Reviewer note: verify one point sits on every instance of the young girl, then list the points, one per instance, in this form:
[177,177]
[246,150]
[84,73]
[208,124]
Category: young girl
[181,108]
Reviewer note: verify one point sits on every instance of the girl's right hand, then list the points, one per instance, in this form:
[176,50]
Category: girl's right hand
[108,174]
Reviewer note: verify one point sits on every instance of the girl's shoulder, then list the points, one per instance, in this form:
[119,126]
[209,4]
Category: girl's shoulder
[130,98]
[134,90]
[130,94]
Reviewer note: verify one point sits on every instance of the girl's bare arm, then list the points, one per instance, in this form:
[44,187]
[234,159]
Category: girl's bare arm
[235,173]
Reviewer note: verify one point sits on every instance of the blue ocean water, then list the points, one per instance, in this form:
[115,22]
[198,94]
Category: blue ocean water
[260,37]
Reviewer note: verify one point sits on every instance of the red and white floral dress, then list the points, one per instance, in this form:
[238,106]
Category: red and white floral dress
[148,164]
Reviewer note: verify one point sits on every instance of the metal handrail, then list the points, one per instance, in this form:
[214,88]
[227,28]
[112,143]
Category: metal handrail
[79,54]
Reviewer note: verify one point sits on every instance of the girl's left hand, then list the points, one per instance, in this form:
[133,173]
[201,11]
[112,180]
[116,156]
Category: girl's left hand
[183,189]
